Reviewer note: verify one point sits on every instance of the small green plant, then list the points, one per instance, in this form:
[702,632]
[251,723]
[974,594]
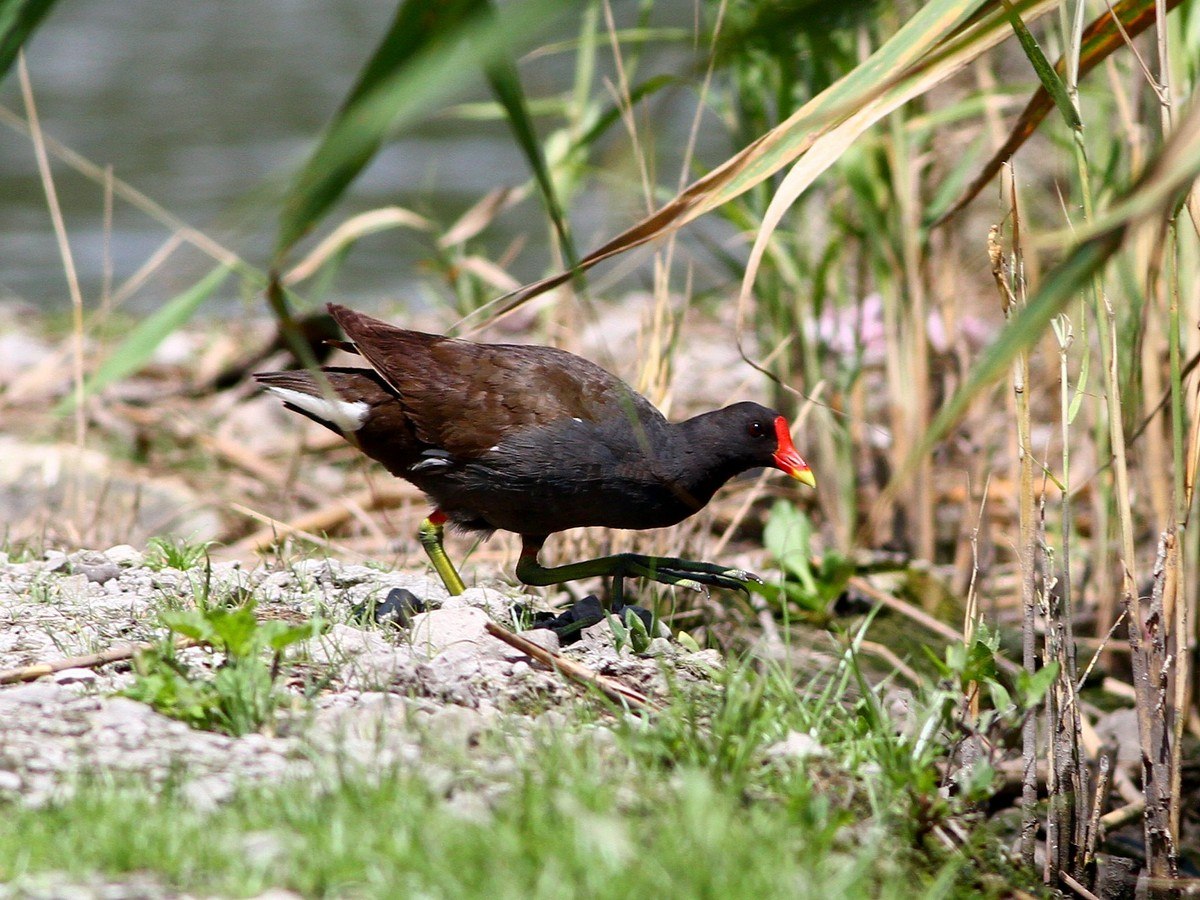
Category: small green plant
[631,630]
[18,551]
[43,592]
[813,586]
[964,666]
[969,671]
[175,553]
[240,694]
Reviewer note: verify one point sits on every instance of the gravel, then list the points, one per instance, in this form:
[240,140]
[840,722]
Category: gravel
[384,690]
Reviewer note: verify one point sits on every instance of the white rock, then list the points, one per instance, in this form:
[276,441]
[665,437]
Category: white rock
[544,638]
[209,792]
[125,714]
[125,555]
[709,658]
[433,633]
[365,660]
[659,647]
[797,745]
[36,693]
[262,849]
[495,603]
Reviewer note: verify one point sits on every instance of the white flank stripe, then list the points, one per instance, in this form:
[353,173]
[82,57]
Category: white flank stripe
[345,415]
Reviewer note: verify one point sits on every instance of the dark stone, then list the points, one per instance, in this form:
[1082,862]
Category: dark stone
[1116,877]
[852,602]
[395,610]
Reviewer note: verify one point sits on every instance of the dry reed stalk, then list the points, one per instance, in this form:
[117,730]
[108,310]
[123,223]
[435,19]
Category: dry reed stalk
[971,613]
[917,405]
[1152,656]
[1007,274]
[1180,601]
[68,262]
[1067,781]
[1104,767]
[1068,757]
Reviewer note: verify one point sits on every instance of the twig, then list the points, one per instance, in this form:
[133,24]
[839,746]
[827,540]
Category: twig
[919,616]
[1076,886]
[1152,658]
[1107,759]
[887,655]
[1122,815]
[1099,651]
[91,661]
[319,520]
[572,670]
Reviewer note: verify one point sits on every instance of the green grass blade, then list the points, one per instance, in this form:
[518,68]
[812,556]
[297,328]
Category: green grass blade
[1052,84]
[505,82]
[135,351]
[18,20]
[430,50]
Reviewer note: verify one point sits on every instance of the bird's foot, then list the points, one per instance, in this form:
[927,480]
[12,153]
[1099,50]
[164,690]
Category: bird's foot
[687,573]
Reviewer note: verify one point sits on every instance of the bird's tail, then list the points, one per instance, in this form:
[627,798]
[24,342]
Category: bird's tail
[341,399]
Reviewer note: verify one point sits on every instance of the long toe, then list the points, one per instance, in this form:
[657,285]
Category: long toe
[691,580]
[721,580]
[694,568]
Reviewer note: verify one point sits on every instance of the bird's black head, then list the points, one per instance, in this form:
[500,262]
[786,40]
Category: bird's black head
[758,436]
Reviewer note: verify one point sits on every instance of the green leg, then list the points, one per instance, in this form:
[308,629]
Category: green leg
[663,569]
[617,596]
[430,535]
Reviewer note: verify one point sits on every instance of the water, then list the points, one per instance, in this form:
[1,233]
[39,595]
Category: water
[208,108]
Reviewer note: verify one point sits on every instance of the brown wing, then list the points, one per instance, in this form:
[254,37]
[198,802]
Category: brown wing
[467,397]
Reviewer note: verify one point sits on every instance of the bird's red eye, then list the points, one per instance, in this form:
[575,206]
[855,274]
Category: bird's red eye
[757,429]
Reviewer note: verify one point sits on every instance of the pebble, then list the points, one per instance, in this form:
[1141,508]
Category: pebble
[96,567]
[797,745]
[125,555]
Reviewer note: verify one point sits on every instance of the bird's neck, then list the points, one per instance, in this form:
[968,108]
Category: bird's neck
[697,460]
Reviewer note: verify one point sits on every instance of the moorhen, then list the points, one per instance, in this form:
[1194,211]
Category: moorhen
[533,440]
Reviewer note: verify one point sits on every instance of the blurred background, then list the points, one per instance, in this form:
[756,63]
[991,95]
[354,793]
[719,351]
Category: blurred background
[210,113]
